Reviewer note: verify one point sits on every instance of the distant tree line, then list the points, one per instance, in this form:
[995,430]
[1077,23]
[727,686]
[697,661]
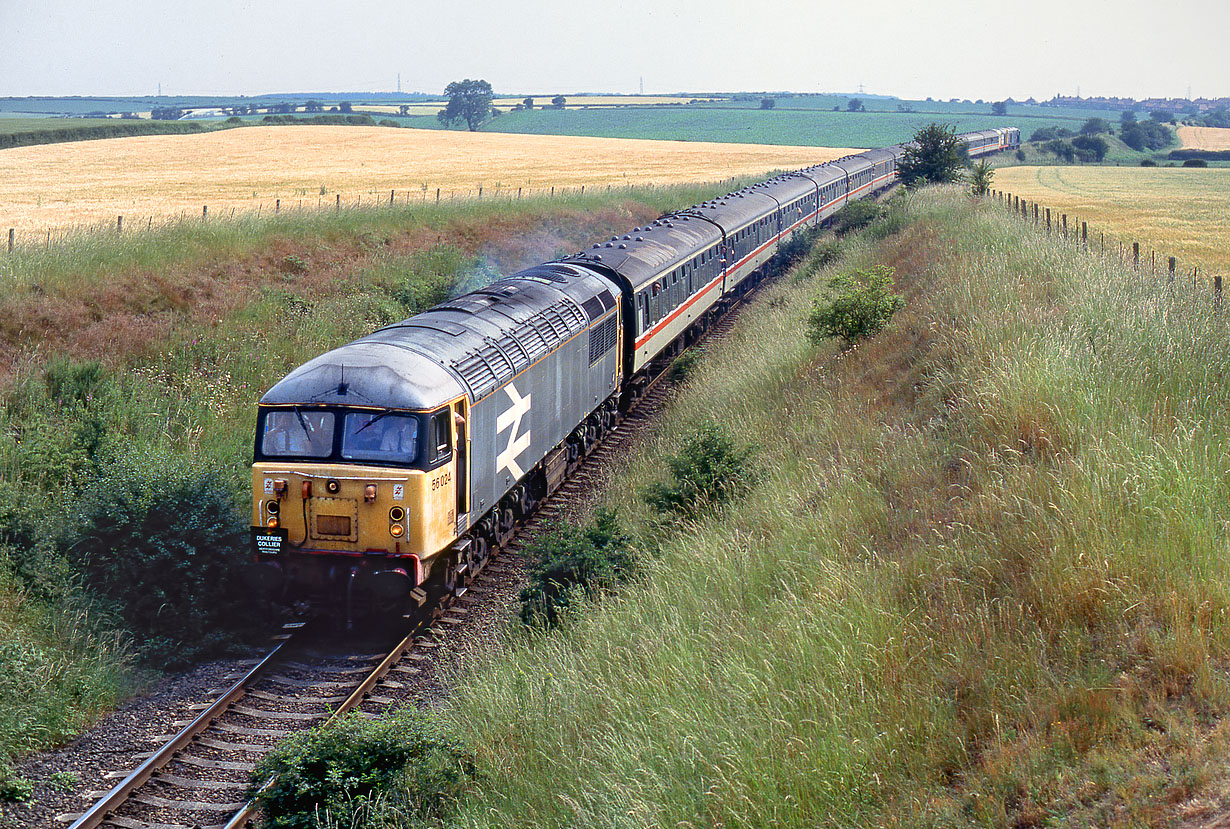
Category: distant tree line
[119,129]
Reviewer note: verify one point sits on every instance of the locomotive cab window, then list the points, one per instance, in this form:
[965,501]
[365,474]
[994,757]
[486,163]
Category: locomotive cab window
[380,436]
[440,437]
[297,433]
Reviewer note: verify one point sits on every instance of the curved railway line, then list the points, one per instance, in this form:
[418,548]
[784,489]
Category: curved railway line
[199,776]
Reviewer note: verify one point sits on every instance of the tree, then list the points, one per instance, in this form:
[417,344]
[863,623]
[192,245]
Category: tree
[345,106]
[999,108]
[403,109]
[527,102]
[558,101]
[935,156]
[468,101]
[980,178]
[1094,126]
[1127,117]
[855,105]
[313,106]
[1161,116]
[767,103]
[1090,147]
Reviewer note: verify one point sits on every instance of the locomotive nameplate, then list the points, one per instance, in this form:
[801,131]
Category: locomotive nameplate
[267,542]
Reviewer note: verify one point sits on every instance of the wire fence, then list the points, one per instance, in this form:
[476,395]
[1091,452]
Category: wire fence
[1126,251]
[320,204]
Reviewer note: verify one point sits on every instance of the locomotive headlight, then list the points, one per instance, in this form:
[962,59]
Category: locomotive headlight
[272,523]
[272,507]
[332,486]
[396,514]
[369,493]
[396,530]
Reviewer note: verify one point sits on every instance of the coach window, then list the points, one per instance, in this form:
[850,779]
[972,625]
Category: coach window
[441,437]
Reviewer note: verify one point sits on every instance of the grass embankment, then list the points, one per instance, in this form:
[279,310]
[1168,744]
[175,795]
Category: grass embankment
[129,370]
[981,582]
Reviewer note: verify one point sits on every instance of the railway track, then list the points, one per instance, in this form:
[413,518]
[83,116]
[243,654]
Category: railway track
[199,777]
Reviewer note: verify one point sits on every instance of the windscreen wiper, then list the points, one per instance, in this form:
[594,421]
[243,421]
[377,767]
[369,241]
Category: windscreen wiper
[373,420]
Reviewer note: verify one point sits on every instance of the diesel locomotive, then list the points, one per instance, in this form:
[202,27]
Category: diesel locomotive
[392,466]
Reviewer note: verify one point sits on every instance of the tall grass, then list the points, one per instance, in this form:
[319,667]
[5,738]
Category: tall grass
[984,582]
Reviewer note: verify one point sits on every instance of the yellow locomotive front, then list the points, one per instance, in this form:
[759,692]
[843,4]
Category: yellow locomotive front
[353,500]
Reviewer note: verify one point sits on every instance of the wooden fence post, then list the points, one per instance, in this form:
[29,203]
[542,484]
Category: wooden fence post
[552,191]
[1136,255]
[1170,267]
[437,195]
[391,197]
[1065,225]
[13,238]
[277,206]
[1085,234]
[337,201]
[518,194]
[1217,291]
[119,224]
[1048,220]
[1035,214]
[204,212]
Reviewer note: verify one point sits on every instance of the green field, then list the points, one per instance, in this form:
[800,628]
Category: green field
[751,125]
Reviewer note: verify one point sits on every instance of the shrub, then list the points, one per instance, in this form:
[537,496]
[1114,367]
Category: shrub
[858,305]
[683,366]
[856,215]
[826,253]
[708,471]
[571,564]
[1195,162]
[1148,162]
[1020,154]
[165,545]
[1062,149]
[1090,147]
[1050,134]
[328,775]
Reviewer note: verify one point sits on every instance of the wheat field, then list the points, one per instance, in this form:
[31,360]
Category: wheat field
[156,178]
[1204,138]
[1177,211]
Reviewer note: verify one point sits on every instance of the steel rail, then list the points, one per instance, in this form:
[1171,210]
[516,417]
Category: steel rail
[112,799]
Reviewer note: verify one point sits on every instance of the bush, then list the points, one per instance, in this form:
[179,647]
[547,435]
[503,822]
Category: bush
[858,305]
[571,564]
[856,215]
[1050,134]
[165,545]
[680,369]
[708,471]
[1062,149]
[1090,147]
[329,775]
[1195,162]
[1020,154]
[1148,162]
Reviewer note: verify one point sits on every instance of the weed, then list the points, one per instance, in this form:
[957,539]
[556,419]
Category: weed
[292,263]
[709,470]
[63,781]
[13,788]
[328,775]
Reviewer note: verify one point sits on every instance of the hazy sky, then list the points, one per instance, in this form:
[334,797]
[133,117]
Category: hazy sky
[942,48]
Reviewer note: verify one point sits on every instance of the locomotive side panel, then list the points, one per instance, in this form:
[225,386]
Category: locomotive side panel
[518,424]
